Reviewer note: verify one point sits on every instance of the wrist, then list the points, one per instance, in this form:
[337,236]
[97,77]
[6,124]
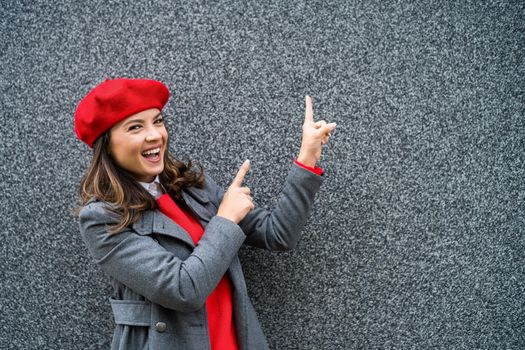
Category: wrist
[307,160]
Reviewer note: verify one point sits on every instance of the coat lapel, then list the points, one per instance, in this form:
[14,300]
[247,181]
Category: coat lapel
[154,221]
[198,201]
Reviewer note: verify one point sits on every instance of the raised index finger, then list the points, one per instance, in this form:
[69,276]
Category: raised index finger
[308,112]
[239,178]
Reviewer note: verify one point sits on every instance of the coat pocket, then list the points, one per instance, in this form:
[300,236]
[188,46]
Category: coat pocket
[132,319]
[131,312]
[135,314]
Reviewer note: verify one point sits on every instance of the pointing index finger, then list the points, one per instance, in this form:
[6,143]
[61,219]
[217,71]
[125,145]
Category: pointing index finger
[308,113]
[239,178]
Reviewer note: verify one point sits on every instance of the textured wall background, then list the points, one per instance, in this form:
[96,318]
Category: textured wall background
[417,239]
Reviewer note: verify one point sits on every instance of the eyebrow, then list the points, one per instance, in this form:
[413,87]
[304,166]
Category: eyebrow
[139,120]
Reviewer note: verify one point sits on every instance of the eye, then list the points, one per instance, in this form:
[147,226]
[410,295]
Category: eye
[160,121]
[133,127]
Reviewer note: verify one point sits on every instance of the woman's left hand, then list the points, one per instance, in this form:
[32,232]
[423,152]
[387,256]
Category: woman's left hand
[315,135]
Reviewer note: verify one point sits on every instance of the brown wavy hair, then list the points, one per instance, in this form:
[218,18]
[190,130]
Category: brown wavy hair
[106,181]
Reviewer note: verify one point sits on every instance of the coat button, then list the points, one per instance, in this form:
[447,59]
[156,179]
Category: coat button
[160,326]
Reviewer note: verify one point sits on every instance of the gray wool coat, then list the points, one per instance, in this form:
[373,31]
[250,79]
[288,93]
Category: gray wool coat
[161,279]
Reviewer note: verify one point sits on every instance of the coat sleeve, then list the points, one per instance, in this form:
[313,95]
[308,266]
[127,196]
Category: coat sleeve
[146,267]
[280,228]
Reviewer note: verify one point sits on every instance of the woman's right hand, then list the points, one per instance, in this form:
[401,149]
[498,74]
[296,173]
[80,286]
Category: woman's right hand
[237,202]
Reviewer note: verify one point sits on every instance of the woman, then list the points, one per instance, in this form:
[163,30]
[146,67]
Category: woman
[167,235]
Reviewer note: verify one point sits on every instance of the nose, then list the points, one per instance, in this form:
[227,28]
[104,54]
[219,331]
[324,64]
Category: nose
[153,135]
[150,138]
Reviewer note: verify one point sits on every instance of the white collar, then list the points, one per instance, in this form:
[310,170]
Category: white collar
[154,187]
[146,184]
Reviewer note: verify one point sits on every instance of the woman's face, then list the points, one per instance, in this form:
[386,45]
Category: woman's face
[138,143]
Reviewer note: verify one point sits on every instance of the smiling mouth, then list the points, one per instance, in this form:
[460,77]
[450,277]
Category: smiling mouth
[152,155]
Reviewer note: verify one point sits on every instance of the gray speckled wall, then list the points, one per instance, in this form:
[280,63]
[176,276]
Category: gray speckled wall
[417,238]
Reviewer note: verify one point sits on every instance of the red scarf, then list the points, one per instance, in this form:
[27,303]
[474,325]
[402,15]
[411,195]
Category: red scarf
[219,304]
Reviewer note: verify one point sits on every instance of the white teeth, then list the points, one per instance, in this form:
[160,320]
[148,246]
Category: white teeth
[151,151]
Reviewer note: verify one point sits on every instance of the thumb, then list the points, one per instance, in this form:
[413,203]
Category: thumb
[237,181]
[326,128]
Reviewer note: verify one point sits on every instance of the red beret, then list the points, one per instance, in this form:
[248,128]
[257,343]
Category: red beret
[115,100]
